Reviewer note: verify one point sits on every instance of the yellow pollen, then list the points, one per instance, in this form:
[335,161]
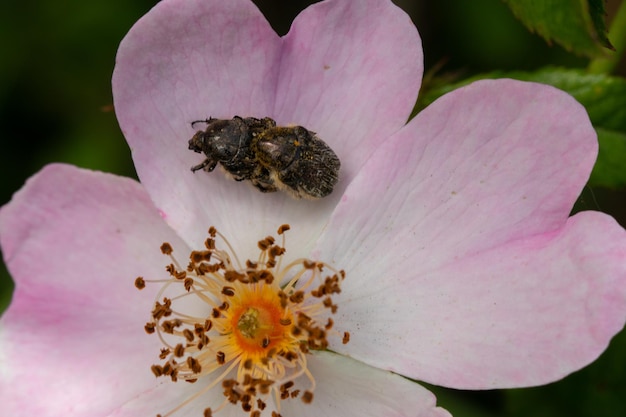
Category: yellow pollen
[243,330]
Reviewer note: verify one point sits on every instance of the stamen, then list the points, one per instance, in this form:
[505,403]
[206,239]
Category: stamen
[247,327]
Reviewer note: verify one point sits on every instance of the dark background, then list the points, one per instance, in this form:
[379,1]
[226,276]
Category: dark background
[56,105]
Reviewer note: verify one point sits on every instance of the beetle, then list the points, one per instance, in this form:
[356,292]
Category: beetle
[288,158]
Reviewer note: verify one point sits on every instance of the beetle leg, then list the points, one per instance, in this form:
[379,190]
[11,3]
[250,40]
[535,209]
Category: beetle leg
[207,165]
[264,187]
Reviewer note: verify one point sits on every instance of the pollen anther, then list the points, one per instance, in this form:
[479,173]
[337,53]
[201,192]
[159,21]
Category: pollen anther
[260,321]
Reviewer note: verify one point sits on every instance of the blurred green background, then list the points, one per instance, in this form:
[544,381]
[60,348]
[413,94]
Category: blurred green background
[56,105]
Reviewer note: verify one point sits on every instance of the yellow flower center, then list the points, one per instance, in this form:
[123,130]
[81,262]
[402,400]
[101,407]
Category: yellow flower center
[248,328]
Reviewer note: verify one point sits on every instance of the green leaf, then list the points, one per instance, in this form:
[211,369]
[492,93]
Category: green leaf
[597,390]
[610,168]
[578,25]
[598,18]
[603,96]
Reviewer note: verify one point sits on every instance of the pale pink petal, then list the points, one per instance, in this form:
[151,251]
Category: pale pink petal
[72,341]
[452,204]
[496,160]
[351,71]
[185,61]
[166,396]
[347,388]
[343,71]
[526,313]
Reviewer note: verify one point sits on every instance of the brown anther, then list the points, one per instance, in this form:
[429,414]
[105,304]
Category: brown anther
[168,326]
[232,276]
[297,297]
[247,380]
[329,324]
[307,397]
[188,284]
[303,319]
[283,228]
[140,283]
[276,251]
[212,231]
[198,329]
[229,384]
[162,310]
[225,306]
[216,313]
[204,340]
[167,369]
[157,370]
[265,385]
[166,248]
[255,413]
[285,321]
[221,357]
[188,335]
[308,264]
[346,337]
[179,350]
[283,299]
[165,352]
[265,342]
[286,386]
[228,291]
[266,243]
[150,328]
[295,393]
[196,257]
[247,364]
[207,412]
[194,365]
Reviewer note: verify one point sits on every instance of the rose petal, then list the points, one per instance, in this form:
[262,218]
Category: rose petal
[475,174]
[525,313]
[187,60]
[74,241]
[494,161]
[351,72]
[348,388]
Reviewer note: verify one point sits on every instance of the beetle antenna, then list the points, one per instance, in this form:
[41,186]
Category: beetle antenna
[207,121]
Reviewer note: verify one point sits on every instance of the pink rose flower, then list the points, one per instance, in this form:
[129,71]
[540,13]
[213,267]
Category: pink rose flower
[463,267]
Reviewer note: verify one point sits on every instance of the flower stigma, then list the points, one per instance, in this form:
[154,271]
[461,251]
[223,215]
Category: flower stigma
[249,327]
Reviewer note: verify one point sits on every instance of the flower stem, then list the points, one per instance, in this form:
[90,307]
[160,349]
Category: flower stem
[617,31]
